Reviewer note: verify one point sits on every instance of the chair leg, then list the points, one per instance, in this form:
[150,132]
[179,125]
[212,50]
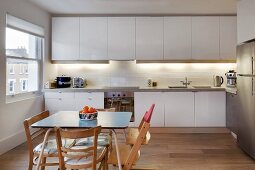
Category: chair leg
[30,166]
[43,163]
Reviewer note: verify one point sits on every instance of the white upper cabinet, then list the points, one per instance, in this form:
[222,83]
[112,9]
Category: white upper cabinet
[149,38]
[177,38]
[121,38]
[65,38]
[228,37]
[205,38]
[93,38]
[245,20]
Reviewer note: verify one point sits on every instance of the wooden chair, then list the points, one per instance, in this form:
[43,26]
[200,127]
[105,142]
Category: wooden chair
[134,132]
[81,156]
[34,152]
[129,155]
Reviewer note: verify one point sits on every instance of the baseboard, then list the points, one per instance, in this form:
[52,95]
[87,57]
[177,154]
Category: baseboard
[12,141]
[190,130]
[186,130]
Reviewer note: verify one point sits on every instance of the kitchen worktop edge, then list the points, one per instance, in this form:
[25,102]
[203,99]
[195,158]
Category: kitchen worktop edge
[141,89]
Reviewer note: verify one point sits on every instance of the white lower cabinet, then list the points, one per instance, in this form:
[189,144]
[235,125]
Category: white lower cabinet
[94,99]
[69,101]
[143,101]
[56,101]
[210,109]
[179,109]
[183,109]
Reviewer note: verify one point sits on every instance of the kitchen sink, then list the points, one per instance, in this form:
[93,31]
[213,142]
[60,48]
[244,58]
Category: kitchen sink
[202,87]
[177,87]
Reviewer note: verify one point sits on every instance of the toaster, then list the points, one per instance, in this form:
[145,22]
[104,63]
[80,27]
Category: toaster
[78,82]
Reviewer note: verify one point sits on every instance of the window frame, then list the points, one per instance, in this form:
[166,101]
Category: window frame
[38,59]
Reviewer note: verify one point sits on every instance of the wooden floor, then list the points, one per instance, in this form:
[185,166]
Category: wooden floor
[169,152]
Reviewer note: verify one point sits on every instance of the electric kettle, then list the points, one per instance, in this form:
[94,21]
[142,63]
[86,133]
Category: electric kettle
[218,81]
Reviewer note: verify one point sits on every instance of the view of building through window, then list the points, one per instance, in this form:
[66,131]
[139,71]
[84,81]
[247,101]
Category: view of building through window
[23,52]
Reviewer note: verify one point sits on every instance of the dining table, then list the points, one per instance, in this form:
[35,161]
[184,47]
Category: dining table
[70,120]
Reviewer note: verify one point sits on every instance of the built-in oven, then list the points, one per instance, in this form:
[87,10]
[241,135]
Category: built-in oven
[121,101]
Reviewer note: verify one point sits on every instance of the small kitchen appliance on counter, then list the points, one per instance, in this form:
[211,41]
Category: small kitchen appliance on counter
[79,82]
[63,82]
[231,78]
[218,81]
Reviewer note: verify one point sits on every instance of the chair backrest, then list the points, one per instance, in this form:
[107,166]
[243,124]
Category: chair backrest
[136,147]
[89,151]
[30,136]
[147,116]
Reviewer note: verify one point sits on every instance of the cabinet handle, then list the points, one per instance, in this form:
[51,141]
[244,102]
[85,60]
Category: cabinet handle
[89,98]
[59,99]
[59,91]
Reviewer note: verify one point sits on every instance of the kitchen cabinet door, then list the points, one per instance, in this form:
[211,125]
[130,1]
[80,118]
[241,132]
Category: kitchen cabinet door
[121,38]
[228,37]
[93,38]
[143,102]
[93,99]
[59,101]
[245,20]
[210,109]
[149,38]
[205,38]
[65,38]
[179,109]
[177,38]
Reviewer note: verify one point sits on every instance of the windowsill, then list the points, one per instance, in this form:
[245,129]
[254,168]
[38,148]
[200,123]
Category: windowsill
[23,96]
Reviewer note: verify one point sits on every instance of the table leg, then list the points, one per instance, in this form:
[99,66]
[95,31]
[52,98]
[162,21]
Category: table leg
[43,146]
[117,148]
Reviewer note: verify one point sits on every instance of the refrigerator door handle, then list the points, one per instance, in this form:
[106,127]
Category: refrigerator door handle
[246,75]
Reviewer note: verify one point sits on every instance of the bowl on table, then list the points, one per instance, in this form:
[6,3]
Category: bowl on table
[88,116]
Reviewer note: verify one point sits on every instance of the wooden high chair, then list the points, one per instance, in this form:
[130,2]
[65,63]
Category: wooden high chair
[129,155]
[134,132]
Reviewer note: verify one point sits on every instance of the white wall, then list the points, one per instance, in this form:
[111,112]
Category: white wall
[12,115]
[139,6]
[128,73]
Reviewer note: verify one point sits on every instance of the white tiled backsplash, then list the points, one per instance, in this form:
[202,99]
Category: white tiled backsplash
[128,73]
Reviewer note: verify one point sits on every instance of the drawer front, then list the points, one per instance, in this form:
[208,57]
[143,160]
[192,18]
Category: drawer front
[95,99]
[59,94]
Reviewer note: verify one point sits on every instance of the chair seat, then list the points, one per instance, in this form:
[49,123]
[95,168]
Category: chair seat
[103,140]
[83,161]
[124,151]
[51,146]
[133,134]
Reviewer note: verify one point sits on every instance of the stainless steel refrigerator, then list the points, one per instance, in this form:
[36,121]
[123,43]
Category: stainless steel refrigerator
[246,97]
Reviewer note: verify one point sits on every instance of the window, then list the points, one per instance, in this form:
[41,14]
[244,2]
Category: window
[11,86]
[24,50]
[23,85]
[11,69]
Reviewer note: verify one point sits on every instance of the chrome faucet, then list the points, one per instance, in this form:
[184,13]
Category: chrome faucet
[186,82]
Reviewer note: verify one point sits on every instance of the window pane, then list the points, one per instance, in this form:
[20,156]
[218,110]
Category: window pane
[21,44]
[24,82]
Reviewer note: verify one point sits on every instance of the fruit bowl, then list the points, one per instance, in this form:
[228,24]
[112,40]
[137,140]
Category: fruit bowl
[88,116]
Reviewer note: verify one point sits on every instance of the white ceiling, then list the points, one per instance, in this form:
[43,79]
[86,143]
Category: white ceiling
[138,6]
